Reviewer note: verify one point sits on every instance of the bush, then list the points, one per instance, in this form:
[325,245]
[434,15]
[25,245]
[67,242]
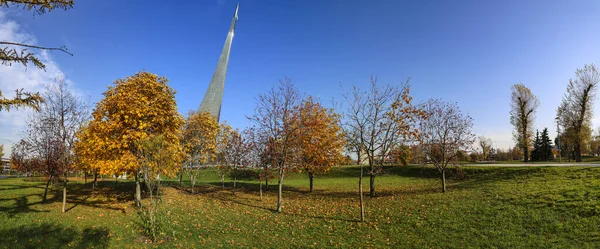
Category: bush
[152,221]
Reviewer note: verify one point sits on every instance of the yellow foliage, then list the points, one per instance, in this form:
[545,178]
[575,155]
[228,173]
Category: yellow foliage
[199,137]
[319,138]
[134,109]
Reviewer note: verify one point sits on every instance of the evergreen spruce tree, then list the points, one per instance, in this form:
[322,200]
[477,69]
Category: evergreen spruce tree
[535,153]
[545,146]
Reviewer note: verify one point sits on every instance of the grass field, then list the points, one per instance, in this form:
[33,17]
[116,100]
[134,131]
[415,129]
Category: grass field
[585,159]
[526,207]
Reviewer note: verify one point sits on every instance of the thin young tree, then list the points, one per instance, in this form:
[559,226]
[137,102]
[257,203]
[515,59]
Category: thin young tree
[199,135]
[374,122]
[69,112]
[274,117]
[52,131]
[576,110]
[220,159]
[444,134]
[235,153]
[377,120]
[44,148]
[523,107]
[158,156]
[319,139]
[255,155]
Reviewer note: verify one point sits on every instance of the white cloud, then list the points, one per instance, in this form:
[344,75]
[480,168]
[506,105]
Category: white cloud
[17,76]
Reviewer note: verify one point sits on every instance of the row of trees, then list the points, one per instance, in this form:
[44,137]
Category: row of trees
[574,114]
[135,130]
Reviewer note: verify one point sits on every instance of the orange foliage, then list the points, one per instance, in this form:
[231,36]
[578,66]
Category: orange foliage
[319,139]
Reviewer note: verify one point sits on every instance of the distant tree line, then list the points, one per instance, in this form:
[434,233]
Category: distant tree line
[573,116]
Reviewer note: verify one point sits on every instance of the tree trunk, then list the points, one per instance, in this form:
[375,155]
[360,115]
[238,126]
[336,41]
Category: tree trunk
[138,191]
[526,154]
[279,191]
[577,152]
[260,188]
[46,190]
[311,175]
[64,204]
[234,179]
[193,184]
[181,177]
[84,177]
[266,182]
[360,192]
[372,184]
[444,180]
[223,180]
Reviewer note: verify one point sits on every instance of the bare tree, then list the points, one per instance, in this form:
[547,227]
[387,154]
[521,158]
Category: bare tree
[485,144]
[255,150]
[444,134]
[575,112]
[523,107]
[273,116]
[235,153]
[374,122]
[52,131]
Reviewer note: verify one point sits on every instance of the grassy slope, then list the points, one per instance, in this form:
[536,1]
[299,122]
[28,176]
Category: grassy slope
[490,207]
[585,159]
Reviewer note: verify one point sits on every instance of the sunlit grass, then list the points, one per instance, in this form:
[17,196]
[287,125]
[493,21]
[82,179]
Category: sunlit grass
[490,207]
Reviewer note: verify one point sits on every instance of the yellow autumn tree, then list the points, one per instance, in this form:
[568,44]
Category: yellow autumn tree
[133,110]
[87,154]
[319,139]
[198,138]
[220,160]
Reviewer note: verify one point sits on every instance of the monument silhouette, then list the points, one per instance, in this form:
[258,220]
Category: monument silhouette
[213,97]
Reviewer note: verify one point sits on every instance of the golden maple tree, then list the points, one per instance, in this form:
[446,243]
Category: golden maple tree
[223,140]
[133,110]
[198,138]
[319,139]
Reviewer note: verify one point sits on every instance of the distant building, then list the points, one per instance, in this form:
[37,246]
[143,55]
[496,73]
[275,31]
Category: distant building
[5,165]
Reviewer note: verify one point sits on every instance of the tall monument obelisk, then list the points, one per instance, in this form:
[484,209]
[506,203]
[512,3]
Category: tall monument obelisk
[213,97]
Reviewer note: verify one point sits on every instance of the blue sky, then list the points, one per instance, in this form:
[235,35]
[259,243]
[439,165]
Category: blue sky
[469,52]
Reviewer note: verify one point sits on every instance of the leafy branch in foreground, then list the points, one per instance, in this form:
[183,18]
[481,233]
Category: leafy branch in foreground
[22,99]
[40,6]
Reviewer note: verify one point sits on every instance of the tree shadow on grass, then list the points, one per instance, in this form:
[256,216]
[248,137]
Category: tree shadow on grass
[246,187]
[78,194]
[6,187]
[416,171]
[48,235]
[21,205]
[112,192]
[322,217]
[236,200]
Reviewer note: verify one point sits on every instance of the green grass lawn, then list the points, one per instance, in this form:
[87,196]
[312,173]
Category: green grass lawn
[527,207]
[584,159]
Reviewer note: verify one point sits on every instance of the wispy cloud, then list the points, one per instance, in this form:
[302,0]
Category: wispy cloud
[17,76]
